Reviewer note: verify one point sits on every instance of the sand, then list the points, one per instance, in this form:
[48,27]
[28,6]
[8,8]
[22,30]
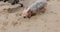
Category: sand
[11,21]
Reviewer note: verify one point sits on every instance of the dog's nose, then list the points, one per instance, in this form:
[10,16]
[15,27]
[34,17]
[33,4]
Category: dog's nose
[24,17]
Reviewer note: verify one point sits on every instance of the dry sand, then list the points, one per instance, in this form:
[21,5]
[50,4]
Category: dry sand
[13,22]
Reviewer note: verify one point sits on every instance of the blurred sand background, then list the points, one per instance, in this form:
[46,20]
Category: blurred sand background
[11,21]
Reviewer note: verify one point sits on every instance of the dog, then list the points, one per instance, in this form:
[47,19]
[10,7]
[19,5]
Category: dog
[1,0]
[5,0]
[13,2]
[32,9]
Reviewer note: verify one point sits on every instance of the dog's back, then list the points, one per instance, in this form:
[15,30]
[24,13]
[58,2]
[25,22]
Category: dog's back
[37,4]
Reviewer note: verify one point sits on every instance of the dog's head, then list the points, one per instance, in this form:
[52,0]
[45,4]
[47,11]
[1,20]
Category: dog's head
[27,13]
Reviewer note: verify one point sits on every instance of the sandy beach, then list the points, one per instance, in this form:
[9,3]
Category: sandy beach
[11,20]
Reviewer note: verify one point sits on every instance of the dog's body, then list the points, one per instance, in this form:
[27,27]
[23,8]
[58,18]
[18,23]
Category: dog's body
[13,1]
[32,9]
[37,4]
[1,0]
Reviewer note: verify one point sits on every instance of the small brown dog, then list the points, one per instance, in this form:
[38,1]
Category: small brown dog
[32,9]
